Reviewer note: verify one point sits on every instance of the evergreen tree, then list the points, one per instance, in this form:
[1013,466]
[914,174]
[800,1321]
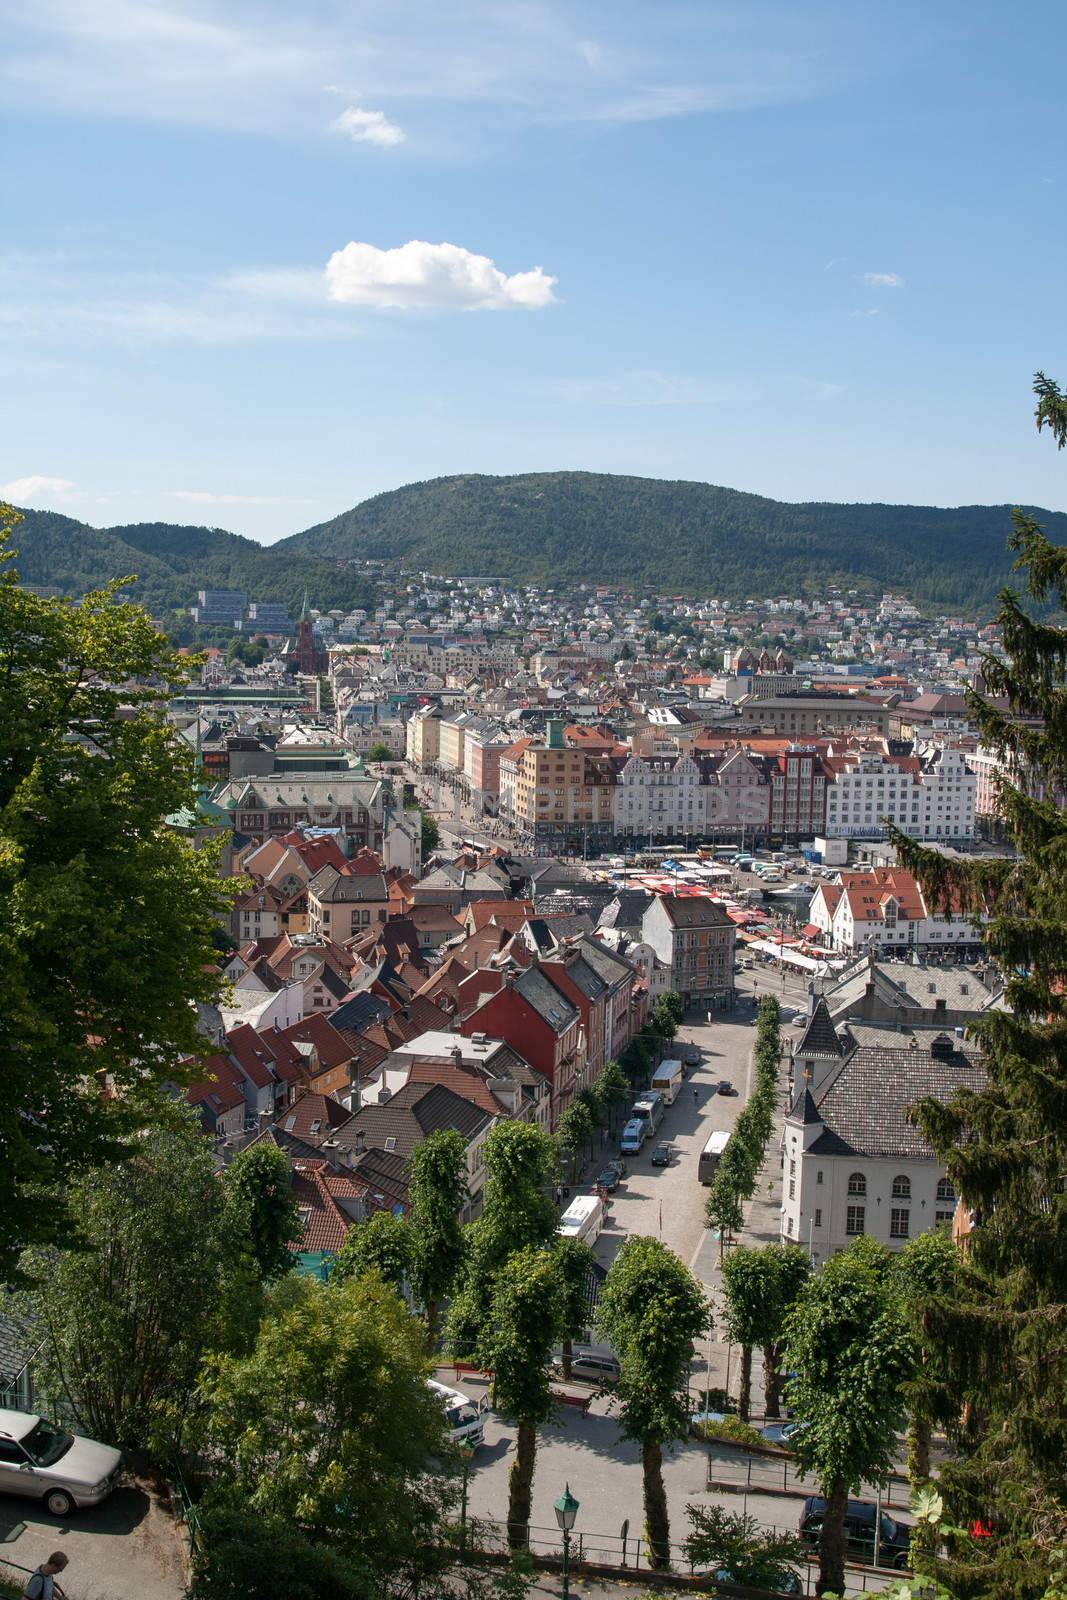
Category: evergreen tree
[1003,1332]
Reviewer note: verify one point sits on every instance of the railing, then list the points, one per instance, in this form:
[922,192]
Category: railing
[187,1509]
[769,1475]
[628,1553]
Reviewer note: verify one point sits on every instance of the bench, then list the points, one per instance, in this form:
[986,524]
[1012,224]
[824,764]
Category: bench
[466,1369]
[581,1402]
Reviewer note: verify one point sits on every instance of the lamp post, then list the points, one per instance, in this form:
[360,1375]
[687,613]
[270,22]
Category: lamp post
[466,1456]
[566,1509]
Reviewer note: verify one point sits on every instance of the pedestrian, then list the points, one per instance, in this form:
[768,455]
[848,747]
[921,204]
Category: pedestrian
[41,1583]
[696,1096]
[559,1194]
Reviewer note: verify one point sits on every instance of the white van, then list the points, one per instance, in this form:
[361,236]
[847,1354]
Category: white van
[667,1079]
[462,1416]
[634,1135]
[583,1219]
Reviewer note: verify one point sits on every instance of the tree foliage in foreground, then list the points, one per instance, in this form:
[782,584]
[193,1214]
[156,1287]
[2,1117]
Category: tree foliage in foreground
[106,914]
[852,1352]
[1003,1331]
[650,1310]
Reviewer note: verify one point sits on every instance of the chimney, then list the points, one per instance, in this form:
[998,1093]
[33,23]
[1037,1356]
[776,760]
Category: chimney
[265,1120]
[361,1140]
[457,1055]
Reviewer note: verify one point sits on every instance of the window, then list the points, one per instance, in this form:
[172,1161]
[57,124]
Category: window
[943,1219]
[792,1188]
[857,1184]
[945,1190]
[390,1144]
[11,1453]
[818,1176]
[901,1188]
[899,1222]
[818,1217]
[854,1219]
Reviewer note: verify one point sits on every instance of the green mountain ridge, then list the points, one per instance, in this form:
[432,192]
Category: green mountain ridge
[567,527]
[171,561]
[677,536]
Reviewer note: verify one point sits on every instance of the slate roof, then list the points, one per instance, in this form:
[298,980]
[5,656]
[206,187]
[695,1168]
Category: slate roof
[864,1109]
[693,911]
[408,1116]
[820,1036]
[553,1007]
[626,910]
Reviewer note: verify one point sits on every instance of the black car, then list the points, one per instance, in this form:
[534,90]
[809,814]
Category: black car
[724,1086]
[617,1164]
[895,1543]
[608,1180]
[661,1155]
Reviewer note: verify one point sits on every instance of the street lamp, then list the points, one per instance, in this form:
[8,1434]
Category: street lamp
[566,1509]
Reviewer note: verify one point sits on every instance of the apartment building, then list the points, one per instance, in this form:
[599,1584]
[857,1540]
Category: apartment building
[563,796]
[885,908]
[694,937]
[422,736]
[799,714]
[929,796]
[797,780]
[662,795]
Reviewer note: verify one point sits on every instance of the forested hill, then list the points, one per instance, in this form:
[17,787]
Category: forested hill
[595,527]
[172,562]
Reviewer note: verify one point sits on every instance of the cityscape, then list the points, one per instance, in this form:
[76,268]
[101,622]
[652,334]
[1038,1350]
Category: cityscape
[534,1018]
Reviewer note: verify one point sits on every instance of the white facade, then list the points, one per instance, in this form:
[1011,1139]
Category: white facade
[932,798]
[829,1200]
[664,795]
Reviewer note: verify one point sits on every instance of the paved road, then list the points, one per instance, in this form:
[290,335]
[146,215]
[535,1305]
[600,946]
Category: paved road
[126,1549]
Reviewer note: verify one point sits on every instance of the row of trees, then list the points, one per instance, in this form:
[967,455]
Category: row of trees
[592,1109]
[643,1051]
[739,1167]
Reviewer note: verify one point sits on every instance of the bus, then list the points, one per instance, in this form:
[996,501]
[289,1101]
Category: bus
[667,1079]
[462,1416]
[711,1155]
[648,1108]
[583,1219]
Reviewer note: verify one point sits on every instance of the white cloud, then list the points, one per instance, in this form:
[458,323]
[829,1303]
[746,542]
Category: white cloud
[883,280]
[36,487]
[421,276]
[204,497]
[368,127]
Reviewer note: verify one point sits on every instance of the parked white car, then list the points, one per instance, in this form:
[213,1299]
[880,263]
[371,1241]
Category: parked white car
[44,1463]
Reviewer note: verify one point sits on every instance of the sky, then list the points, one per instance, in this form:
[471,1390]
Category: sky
[260,260]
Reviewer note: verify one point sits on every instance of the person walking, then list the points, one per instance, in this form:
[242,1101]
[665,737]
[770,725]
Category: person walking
[41,1583]
[696,1097]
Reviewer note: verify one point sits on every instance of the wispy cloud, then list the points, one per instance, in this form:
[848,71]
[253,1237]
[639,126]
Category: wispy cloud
[205,497]
[441,277]
[368,127]
[258,64]
[883,280]
[25,491]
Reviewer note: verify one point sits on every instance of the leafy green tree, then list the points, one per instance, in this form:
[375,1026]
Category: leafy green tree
[574,1262]
[755,1556]
[380,752]
[527,1317]
[927,1269]
[431,834]
[650,1310]
[612,1090]
[327,1423]
[517,1212]
[851,1349]
[437,1193]
[260,1208]
[382,1244]
[126,1319]
[667,1015]
[106,916]
[575,1131]
[1002,1332]
[255,1556]
[760,1284]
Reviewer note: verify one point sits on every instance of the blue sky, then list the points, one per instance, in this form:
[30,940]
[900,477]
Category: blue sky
[261,260]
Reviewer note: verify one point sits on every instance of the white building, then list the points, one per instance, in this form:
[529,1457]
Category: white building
[930,796]
[659,794]
[853,1163]
[884,908]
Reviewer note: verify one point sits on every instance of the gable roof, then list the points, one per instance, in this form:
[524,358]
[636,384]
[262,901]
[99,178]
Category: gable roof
[820,1036]
[865,1108]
